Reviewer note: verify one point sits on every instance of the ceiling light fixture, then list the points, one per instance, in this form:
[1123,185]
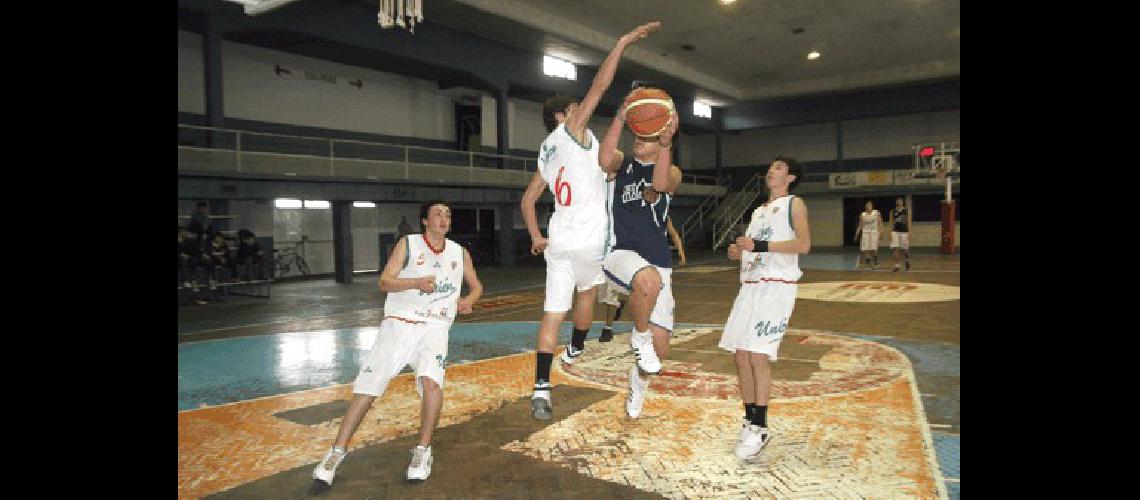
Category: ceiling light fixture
[813,55]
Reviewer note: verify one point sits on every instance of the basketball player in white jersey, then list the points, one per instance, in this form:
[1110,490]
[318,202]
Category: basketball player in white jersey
[423,279]
[870,226]
[568,163]
[769,270]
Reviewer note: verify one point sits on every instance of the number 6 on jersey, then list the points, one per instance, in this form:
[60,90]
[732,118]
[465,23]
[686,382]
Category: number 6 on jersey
[558,185]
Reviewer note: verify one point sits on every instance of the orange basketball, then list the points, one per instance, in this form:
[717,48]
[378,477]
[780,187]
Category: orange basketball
[648,111]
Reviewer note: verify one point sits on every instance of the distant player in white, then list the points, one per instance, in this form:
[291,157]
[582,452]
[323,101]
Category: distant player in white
[900,231]
[568,163]
[870,227]
[423,279]
[769,270]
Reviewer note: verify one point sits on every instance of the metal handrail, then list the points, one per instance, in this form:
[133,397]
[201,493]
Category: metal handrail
[529,164]
[735,209]
[707,206]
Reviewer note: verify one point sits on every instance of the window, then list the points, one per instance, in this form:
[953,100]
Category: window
[286,203]
[553,66]
[701,109]
[363,204]
[316,204]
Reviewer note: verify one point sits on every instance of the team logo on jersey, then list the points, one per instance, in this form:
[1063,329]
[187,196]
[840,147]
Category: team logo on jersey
[420,260]
[547,152]
[775,210]
[437,265]
[454,265]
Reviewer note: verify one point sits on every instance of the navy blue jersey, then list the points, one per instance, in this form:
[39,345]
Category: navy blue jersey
[639,225]
[899,215]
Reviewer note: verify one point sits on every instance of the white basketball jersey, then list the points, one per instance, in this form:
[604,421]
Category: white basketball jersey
[440,305]
[870,221]
[771,222]
[579,222]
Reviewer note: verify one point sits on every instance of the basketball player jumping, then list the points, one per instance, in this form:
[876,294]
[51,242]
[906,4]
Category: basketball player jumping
[641,260]
[568,163]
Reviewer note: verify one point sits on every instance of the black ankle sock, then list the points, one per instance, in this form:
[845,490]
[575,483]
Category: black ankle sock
[578,338]
[760,416]
[749,411]
[542,366]
[617,313]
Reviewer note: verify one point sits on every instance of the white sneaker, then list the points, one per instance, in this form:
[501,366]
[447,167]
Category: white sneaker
[326,470]
[571,354]
[420,468]
[636,398]
[540,406]
[744,423]
[754,440]
[646,355]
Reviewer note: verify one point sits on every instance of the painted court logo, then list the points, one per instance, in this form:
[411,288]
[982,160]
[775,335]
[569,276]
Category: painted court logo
[878,291]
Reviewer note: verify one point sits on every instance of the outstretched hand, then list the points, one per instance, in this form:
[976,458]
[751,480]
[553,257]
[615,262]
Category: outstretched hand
[641,32]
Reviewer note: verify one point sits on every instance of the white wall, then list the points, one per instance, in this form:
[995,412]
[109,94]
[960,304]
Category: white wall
[191,79]
[812,142]
[385,104]
[365,239]
[894,135]
[825,216]
[929,234]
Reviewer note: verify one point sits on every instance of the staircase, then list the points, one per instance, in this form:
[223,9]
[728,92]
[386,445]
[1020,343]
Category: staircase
[728,221]
[694,226]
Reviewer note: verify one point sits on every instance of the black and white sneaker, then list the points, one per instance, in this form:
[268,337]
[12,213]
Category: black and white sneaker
[540,407]
[571,354]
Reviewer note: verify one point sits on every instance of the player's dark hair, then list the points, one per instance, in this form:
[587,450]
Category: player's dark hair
[556,104]
[794,168]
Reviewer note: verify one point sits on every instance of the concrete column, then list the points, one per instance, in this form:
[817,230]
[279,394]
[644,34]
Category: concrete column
[342,241]
[212,65]
[507,234]
[502,127]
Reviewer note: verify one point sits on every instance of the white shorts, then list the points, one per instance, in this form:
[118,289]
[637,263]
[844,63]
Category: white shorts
[759,318]
[564,276]
[622,265]
[398,344]
[612,294]
[900,240]
[870,241]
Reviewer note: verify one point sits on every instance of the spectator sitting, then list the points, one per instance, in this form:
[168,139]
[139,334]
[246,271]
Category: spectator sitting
[220,256]
[190,260]
[249,254]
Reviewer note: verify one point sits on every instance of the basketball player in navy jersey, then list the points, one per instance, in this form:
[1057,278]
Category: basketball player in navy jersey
[641,260]
[900,232]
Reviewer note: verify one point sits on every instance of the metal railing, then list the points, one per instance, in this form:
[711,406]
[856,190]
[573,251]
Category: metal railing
[735,208]
[220,150]
[697,219]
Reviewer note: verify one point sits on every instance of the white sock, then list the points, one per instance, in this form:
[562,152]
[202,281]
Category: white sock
[637,338]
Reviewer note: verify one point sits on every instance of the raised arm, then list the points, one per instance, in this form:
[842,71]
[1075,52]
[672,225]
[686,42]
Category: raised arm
[609,157]
[662,167]
[578,120]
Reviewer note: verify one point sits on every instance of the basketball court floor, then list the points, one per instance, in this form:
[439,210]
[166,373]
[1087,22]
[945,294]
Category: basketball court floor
[865,395]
